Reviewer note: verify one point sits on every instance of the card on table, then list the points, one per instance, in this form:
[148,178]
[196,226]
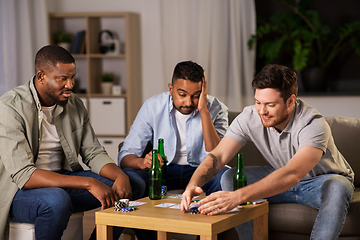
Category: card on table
[135,203]
[165,205]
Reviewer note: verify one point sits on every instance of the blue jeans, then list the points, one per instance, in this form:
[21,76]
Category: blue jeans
[177,177]
[49,209]
[330,193]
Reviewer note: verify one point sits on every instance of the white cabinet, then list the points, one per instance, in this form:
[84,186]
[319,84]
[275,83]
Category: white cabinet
[111,146]
[107,116]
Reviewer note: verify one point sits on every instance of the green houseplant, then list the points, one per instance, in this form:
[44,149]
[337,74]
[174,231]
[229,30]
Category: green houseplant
[63,39]
[300,35]
[63,36]
[107,81]
[107,77]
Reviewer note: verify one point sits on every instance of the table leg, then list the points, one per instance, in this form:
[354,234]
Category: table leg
[260,228]
[104,232]
[163,235]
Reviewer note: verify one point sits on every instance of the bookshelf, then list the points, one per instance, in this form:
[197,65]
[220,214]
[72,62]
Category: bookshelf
[110,115]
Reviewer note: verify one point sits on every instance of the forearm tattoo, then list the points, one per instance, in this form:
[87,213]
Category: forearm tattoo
[211,172]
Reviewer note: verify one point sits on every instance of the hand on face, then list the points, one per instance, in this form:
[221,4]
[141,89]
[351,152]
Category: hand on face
[203,95]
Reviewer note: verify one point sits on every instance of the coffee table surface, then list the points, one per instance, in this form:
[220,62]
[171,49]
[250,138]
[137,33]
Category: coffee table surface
[173,220]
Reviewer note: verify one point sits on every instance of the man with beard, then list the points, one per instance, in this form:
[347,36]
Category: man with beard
[306,167]
[43,129]
[191,124]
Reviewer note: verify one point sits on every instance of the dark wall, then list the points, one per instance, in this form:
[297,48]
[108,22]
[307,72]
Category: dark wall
[344,73]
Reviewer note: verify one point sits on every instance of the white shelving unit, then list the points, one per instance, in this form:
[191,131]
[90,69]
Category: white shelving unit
[111,116]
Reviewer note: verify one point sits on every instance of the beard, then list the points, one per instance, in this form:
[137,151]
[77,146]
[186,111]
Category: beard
[274,120]
[62,102]
[185,110]
[53,96]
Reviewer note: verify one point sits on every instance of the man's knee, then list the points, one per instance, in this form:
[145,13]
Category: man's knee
[56,201]
[256,173]
[253,173]
[138,184]
[226,180]
[338,186]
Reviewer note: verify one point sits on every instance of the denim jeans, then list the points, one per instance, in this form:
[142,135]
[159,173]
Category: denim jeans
[330,193]
[177,177]
[49,209]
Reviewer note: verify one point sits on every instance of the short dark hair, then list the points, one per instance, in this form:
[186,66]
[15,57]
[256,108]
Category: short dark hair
[188,70]
[277,77]
[50,55]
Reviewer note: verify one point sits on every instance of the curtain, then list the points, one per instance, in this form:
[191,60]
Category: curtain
[23,30]
[213,33]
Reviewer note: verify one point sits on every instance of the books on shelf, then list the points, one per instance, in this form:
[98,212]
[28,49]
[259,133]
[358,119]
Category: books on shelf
[79,43]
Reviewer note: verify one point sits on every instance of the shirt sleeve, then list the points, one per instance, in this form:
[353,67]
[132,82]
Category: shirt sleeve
[239,130]
[15,151]
[315,134]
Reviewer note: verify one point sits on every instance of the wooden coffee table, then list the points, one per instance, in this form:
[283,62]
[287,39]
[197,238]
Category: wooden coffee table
[167,220]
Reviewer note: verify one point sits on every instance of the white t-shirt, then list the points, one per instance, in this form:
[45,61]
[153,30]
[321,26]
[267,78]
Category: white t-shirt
[180,130]
[50,150]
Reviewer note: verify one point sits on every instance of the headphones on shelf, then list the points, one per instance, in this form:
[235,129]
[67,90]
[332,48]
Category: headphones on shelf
[107,42]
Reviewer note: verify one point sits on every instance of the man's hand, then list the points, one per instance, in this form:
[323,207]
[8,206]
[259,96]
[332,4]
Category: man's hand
[187,196]
[203,95]
[103,193]
[219,202]
[122,187]
[145,164]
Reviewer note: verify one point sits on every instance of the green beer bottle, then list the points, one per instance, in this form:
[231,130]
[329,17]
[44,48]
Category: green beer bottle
[163,166]
[240,179]
[155,177]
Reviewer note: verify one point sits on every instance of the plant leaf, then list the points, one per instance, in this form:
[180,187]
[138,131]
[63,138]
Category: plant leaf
[300,57]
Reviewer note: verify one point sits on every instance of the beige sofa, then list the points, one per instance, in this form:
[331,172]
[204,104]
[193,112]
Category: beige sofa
[295,221]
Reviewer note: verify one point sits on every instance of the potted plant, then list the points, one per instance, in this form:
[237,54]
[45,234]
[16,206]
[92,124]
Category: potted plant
[300,35]
[107,81]
[63,39]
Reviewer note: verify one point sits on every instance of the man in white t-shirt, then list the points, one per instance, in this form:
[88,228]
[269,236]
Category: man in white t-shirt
[191,124]
[44,127]
[296,140]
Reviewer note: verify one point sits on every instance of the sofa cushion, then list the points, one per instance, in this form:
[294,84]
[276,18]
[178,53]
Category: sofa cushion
[297,218]
[346,133]
[291,217]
